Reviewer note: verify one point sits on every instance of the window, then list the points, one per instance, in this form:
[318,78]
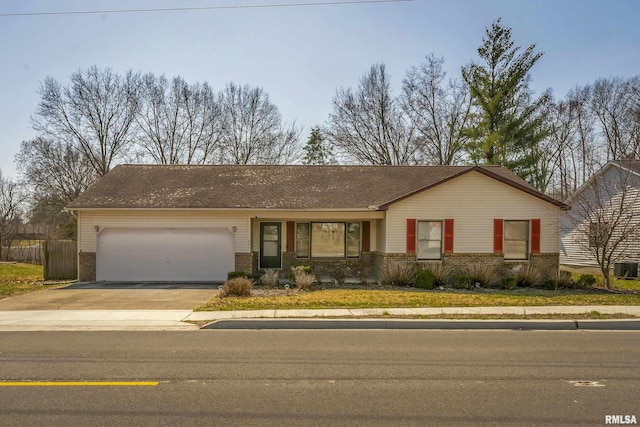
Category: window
[328,239]
[429,239]
[353,240]
[302,240]
[516,240]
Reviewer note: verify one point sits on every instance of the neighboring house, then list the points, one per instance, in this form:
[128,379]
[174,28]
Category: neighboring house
[604,219]
[197,223]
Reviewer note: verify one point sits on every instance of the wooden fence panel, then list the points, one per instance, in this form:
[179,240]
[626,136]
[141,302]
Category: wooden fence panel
[60,260]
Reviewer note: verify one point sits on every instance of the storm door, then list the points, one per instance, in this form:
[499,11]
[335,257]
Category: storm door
[270,245]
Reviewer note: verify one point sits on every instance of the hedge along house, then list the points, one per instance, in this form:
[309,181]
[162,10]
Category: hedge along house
[197,223]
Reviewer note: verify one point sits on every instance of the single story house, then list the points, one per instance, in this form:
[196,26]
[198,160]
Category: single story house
[197,223]
[605,212]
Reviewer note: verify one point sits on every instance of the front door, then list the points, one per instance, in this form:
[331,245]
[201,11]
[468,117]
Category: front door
[270,245]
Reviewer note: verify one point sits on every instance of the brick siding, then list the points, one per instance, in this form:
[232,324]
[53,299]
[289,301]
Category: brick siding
[86,266]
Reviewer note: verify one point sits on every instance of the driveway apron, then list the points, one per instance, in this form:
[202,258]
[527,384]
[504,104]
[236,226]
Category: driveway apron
[115,296]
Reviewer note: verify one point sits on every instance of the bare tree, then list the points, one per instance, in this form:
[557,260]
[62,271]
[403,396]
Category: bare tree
[573,143]
[178,123]
[54,169]
[560,147]
[605,217]
[586,159]
[615,103]
[11,200]
[369,127]
[252,129]
[95,112]
[55,173]
[440,112]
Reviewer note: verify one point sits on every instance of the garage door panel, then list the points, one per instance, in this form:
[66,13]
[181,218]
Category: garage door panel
[164,254]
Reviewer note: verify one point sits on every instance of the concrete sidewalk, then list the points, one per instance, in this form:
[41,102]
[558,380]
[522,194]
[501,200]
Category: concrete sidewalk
[109,320]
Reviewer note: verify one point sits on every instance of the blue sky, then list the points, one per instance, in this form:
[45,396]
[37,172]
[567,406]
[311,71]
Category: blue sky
[299,55]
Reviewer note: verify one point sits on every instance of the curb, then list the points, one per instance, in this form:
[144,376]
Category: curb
[306,324]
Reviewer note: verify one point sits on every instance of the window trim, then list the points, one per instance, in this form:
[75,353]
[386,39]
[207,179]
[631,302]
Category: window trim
[528,239]
[441,221]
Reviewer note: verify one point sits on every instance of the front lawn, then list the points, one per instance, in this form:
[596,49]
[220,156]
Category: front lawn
[412,298]
[20,278]
[625,284]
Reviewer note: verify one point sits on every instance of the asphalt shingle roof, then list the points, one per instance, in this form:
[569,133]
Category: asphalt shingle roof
[274,187]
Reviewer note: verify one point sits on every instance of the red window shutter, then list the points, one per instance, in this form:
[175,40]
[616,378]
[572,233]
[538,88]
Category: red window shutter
[448,236]
[535,236]
[411,236]
[366,236]
[497,236]
[291,236]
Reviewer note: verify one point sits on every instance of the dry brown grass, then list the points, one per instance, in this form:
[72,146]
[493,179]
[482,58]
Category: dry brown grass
[376,298]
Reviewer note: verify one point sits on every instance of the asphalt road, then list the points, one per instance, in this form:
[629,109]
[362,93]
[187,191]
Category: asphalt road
[320,377]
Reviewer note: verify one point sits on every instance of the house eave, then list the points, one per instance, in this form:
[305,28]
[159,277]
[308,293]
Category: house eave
[327,210]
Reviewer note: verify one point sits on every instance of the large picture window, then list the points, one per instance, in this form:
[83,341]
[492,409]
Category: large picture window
[516,240]
[328,239]
[430,240]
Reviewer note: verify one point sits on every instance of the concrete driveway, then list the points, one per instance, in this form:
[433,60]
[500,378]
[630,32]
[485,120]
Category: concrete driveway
[115,296]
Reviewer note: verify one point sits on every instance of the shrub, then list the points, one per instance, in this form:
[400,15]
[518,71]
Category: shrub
[564,279]
[480,273]
[297,269]
[465,282]
[398,274]
[234,274]
[526,275]
[269,278]
[551,284]
[302,276]
[586,281]
[442,273]
[508,282]
[425,279]
[237,287]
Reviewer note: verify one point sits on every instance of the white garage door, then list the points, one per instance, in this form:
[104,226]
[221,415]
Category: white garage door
[148,254]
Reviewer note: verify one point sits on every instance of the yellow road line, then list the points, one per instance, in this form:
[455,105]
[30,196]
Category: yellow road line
[78,383]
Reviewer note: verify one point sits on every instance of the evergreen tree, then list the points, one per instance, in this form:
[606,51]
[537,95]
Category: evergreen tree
[316,150]
[511,123]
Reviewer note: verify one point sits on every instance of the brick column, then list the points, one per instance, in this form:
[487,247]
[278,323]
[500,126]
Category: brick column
[87,266]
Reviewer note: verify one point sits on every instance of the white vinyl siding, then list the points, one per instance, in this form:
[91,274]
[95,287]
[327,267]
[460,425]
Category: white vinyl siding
[381,236]
[573,247]
[165,219]
[474,201]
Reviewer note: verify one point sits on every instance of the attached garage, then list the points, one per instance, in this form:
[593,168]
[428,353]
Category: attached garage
[164,254]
